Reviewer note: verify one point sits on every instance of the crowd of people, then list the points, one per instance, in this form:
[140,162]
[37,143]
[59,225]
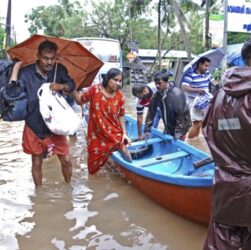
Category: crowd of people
[106,126]
[225,122]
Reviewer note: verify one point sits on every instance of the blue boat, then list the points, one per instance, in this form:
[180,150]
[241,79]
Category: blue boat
[171,172]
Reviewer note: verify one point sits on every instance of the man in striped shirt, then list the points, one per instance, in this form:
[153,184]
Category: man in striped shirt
[195,83]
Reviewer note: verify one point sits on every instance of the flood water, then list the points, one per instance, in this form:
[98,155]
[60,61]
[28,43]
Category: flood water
[93,212]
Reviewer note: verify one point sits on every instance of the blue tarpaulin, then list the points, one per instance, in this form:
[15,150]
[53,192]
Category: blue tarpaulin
[234,55]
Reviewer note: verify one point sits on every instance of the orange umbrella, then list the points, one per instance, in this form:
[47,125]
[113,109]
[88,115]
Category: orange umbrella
[81,64]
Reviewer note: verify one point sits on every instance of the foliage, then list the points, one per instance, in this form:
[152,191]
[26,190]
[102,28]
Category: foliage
[3,41]
[196,33]
[73,27]
[237,37]
[144,34]
[217,7]
[120,19]
[2,37]
[63,19]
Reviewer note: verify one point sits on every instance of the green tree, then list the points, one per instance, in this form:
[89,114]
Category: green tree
[123,20]
[237,37]
[3,41]
[174,11]
[116,19]
[106,20]
[195,34]
[63,19]
[2,38]
[145,34]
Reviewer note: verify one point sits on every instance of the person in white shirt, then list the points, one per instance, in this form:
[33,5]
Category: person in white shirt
[144,94]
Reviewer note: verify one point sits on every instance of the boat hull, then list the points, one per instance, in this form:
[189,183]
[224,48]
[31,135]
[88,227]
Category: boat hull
[193,203]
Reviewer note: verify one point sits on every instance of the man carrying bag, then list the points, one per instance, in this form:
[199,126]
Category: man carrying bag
[38,140]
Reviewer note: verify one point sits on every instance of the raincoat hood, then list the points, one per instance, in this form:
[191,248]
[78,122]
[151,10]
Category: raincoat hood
[237,81]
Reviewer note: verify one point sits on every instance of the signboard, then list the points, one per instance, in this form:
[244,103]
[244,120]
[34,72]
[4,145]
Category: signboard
[239,15]
[131,56]
[216,27]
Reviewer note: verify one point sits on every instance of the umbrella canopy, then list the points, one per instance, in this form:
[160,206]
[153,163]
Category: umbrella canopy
[234,55]
[215,56]
[81,64]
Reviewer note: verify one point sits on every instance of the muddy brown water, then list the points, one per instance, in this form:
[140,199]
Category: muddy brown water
[94,212]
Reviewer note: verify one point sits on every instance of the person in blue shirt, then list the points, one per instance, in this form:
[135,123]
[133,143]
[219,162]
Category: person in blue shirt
[196,83]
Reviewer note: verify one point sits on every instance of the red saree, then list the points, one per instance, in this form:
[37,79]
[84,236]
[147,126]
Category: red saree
[104,128]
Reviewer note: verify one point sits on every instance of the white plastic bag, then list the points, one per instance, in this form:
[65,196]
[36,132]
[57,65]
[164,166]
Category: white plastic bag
[202,101]
[58,115]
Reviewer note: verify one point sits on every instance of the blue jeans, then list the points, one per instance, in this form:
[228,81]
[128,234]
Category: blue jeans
[157,119]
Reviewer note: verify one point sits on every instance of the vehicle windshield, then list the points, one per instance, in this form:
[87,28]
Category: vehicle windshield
[107,51]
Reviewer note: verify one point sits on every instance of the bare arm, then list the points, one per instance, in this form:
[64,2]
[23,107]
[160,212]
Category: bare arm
[77,97]
[15,71]
[190,89]
[139,125]
[153,107]
[125,137]
[59,87]
[122,123]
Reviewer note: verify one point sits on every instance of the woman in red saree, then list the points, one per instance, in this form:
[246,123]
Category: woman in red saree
[106,126]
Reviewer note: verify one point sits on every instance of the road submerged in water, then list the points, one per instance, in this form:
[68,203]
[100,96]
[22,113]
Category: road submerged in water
[93,212]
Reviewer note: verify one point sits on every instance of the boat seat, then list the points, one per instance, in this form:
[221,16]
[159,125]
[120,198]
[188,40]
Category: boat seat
[162,158]
[149,141]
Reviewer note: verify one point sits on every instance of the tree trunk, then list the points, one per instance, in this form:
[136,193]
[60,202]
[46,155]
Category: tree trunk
[177,12]
[159,36]
[207,36]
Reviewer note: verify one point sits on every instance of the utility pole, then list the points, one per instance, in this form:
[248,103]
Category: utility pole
[8,25]
[224,61]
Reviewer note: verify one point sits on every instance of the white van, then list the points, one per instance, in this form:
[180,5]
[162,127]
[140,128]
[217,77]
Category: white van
[107,50]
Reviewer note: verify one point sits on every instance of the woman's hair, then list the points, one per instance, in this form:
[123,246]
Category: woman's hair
[246,51]
[111,73]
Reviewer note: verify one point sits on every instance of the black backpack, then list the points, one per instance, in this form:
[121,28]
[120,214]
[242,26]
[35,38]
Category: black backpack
[13,98]
[5,73]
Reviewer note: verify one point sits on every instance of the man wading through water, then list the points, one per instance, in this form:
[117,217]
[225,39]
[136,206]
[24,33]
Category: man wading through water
[38,140]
